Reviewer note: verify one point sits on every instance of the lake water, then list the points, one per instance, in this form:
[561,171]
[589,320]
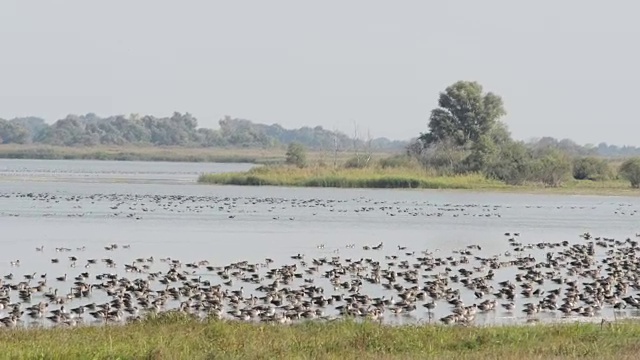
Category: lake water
[160,211]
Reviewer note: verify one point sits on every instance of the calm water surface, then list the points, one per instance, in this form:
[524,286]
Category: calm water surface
[159,210]
[109,171]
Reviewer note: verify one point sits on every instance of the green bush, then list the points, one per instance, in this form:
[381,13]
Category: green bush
[296,155]
[553,169]
[357,162]
[591,168]
[397,161]
[630,170]
[512,164]
[445,158]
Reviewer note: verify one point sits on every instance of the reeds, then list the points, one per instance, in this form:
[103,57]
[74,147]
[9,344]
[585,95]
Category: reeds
[413,177]
[349,178]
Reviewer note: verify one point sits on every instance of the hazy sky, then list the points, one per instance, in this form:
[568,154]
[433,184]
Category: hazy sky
[567,68]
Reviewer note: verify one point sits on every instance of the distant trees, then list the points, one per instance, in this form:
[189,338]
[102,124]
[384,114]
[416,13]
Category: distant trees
[630,170]
[176,130]
[444,140]
[567,146]
[12,133]
[33,126]
[613,151]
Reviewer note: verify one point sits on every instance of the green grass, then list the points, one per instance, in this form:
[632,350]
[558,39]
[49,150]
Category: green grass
[401,177]
[348,178]
[180,338]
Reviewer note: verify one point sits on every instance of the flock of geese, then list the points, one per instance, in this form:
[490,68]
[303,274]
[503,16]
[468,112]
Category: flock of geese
[141,206]
[585,277]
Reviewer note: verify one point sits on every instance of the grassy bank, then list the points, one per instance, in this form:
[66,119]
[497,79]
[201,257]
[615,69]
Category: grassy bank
[411,178]
[180,338]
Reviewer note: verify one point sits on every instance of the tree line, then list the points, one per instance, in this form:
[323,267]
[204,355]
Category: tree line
[182,130]
[465,135]
[177,130]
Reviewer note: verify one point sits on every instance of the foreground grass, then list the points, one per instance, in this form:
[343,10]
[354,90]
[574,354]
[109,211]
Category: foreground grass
[411,178]
[181,338]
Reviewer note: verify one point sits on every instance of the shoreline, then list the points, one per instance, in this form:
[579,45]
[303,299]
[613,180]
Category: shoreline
[279,175]
[259,156]
[153,154]
[405,179]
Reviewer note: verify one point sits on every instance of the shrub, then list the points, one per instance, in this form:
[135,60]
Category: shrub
[553,169]
[296,155]
[445,158]
[356,162]
[397,161]
[630,170]
[591,168]
[513,164]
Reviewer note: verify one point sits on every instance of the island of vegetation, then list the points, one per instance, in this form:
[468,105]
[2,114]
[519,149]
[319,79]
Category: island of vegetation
[466,147]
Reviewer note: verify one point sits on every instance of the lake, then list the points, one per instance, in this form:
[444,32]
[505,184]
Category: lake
[159,211]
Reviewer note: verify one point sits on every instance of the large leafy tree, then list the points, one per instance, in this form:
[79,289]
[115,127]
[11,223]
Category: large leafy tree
[465,113]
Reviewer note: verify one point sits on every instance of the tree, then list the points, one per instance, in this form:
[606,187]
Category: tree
[487,148]
[12,133]
[630,170]
[483,152]
[296,155]
[464,114]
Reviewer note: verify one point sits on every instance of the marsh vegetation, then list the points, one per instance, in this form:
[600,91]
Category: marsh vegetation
[467,146]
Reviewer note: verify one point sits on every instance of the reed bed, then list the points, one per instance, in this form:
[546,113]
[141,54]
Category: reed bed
[349,178]
[179,337]
[402,177]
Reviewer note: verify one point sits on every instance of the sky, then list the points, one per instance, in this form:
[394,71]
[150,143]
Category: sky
[566,69]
